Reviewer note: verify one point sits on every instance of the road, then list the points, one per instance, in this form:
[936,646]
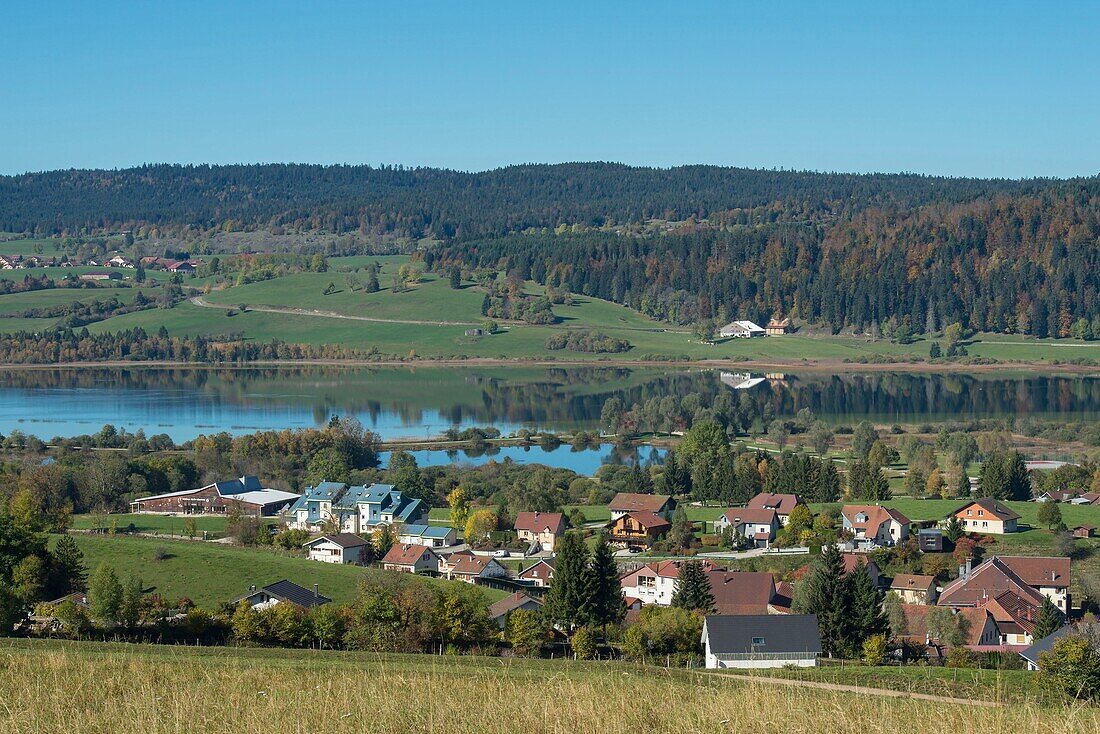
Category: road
[864,690]
[200,301]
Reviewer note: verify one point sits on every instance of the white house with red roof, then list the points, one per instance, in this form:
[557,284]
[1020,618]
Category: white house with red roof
[411,559]
[543,528]
[783,504]
[759,525]
[880,525]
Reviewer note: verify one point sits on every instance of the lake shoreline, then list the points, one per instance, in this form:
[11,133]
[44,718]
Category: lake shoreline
[803,365]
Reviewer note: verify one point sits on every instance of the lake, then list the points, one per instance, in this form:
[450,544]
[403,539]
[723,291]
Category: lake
[421,402]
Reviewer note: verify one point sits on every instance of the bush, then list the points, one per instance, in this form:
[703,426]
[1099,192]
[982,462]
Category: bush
[1072,667]
[586,340]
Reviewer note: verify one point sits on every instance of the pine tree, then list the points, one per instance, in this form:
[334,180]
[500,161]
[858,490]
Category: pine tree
[68,573]
[566,602]
[603,590]
[1019,482]
[693,591]
[993,477]
[677,479]
[868,616]
[824,592]
[1049,620]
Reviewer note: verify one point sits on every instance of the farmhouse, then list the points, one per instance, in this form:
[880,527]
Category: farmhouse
[976,626]
[778,327]
[411,559]
[433,536]
[119,261]
[540,528]
[761,641]
[282,592]
[637,529]
[781,503]
[625,502]
[875,523]
[245,495]
[986,515]
[501,610]
[338,548]
[740,330]
[1025,580]
[540,573]
[757,525]
[914,589]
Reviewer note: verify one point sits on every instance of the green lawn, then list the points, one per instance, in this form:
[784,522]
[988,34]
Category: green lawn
[164,524]
[210,573]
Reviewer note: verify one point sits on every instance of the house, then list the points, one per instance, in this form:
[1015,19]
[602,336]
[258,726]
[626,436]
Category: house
[244,494]
[474,332]
[761,641]
[1084,531]
[282,592]
[781,503]
[914,589]
[778,327]
[654,583]
[930,540]
[637,529]
[470,568]
[98,275]
[540,573]
[1032,653]
[540,528]
[740,330]
[875,523]
[433,536]
[406,558]
[119,261]
[1015,615]
[358,509]
[338,548]
[1059,495]
[852,561]
[1088,498]
[976,625]
[746,592]
[501,610]
[757,525]
[1028,577]
[625,502]
[986,515]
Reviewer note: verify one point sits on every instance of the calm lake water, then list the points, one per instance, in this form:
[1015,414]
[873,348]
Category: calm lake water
[420,402]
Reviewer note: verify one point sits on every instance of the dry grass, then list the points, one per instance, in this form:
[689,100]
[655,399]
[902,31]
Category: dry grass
[85,688]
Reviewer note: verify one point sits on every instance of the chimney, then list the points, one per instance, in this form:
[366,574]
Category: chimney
[252,588]
[315,594]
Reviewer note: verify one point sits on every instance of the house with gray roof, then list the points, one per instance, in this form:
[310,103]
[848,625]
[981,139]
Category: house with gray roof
[761,640]
[282,592]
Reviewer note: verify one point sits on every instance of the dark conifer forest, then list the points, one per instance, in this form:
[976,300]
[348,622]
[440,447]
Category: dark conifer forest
[684,244]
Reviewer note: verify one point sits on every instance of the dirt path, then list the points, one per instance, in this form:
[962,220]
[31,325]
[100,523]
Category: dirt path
[200,301]
[865,690]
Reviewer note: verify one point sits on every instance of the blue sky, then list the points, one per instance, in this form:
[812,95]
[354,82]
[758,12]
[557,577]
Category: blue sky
[997,89]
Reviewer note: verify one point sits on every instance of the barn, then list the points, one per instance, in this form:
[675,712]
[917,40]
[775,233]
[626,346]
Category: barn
[244,494]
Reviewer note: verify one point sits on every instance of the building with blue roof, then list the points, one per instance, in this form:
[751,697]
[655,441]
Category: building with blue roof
[358,509]
[433,536]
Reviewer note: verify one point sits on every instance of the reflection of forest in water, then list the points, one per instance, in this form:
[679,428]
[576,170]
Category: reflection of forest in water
[554,397]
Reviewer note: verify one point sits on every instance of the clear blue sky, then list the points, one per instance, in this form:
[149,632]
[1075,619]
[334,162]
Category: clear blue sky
[996,89]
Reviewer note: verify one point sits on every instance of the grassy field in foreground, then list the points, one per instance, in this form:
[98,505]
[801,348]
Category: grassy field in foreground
[210,573]
[89,687]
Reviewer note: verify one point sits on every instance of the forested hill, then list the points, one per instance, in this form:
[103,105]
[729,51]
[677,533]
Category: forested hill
[843,250]
[455,205]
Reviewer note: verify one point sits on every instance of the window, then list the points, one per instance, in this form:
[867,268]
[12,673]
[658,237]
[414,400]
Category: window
[985,524]
[758,640]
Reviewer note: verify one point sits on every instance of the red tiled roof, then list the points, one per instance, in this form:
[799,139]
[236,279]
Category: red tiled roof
[741,592]
[741,515]
[628,502]
[911,582]
[1040,570]
[781,503]
[470,565]
[917,624]
[649,521]
[510,604]
[987,580]
[405,555]
[876,516]
[993,507]
[536,522]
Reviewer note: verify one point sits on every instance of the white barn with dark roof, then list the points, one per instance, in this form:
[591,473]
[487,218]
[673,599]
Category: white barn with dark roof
[761,641]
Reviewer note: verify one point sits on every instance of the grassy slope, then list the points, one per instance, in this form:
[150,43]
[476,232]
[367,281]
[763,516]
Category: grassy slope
[164,524]
[93,687]
[210,573]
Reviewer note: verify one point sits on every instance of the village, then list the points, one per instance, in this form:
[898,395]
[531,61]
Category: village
[997,608]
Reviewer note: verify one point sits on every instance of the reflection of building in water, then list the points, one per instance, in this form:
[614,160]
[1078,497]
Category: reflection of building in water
[739,380]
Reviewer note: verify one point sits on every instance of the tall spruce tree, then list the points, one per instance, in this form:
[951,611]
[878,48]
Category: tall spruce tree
[824,592]
[868,616]
[993,476]
[605,603]
[677,478]
[1049,620]
[566,602]
[67,571]
[1019,481]
[693,590]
